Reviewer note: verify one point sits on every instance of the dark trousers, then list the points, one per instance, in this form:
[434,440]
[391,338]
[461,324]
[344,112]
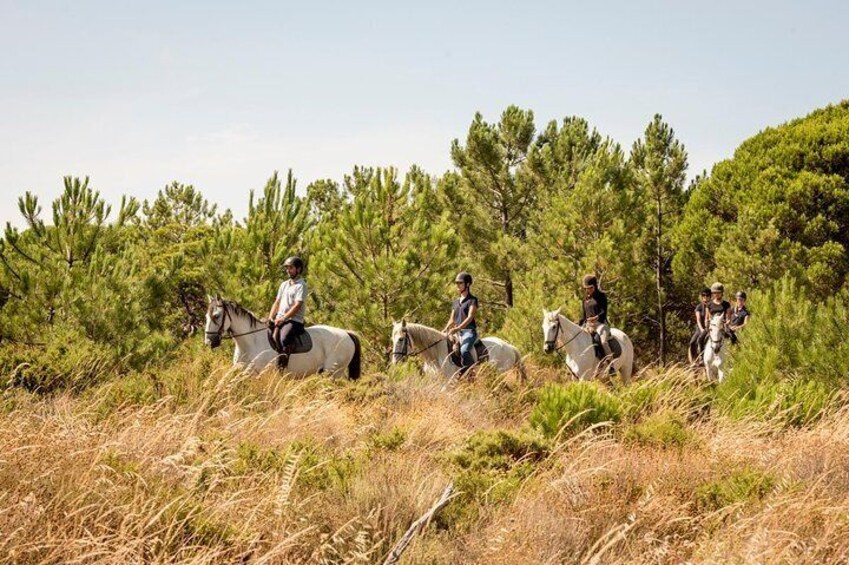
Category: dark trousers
[697,343]
[286,333]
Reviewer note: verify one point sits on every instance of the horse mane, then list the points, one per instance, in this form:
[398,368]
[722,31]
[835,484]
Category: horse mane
[240,310]
[424,335]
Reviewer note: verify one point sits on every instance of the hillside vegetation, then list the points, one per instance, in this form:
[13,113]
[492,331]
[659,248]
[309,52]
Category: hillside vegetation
[124,439]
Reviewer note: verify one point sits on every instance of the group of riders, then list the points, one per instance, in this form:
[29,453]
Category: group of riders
[286,318]
[711,304]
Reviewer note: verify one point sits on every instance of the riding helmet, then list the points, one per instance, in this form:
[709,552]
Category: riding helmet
[590,280]
[463,277]
[741,294]
[717,287]
[705,292]
[294,261]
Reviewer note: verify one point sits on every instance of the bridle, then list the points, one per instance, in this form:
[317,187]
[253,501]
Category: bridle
[405,344]
[553,342]
[219,334]
[557,348]
[717,343]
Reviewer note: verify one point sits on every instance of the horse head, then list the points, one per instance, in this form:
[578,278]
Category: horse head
[400,341]
[550,329]
[717,331]
[217,321]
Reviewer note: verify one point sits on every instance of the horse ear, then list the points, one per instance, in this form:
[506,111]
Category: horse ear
[557,312]
[218,296]
[404,322]
[208,297]
[544,313]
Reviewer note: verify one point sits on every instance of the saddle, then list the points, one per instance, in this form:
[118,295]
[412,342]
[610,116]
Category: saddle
[615,347]
[301,344]
[481,353]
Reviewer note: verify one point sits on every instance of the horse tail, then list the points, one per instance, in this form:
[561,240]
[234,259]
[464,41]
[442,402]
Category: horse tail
[354,366]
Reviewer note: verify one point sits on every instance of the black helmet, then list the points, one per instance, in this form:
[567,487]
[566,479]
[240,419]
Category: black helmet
[463,277]
[590,280]
[705,292]
[741,294]
[294,261]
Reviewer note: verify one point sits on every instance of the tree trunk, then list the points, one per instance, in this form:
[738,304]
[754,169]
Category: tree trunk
[661,311]
[508,279]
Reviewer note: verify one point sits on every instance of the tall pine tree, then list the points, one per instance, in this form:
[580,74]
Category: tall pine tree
[659,162]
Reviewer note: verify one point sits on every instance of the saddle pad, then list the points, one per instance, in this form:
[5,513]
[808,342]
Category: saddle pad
[615,347]
[481,353]
[302,343]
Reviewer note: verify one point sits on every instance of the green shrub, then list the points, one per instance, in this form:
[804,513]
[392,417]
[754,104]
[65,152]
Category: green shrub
[67,360]
[661,429]
[792,356]
[741,486]
[672,389]
[391,440]
[489,468]
[573,407]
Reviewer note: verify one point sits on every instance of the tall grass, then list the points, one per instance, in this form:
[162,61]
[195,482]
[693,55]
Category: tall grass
[198,463]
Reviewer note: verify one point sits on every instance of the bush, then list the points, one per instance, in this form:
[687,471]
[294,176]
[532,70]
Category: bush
[792,356]
[573,407]
[741,486]
[673,389]
[67,360]
[492,466]
[661,429]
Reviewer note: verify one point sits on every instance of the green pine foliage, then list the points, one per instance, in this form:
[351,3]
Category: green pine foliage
[86,289]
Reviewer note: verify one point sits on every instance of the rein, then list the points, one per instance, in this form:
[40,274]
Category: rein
[219,333]
[407,342]
[557,333]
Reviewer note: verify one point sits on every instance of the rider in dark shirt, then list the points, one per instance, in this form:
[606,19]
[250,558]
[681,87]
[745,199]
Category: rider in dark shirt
[594,318]
[462,320]
[697,342]
[739,315]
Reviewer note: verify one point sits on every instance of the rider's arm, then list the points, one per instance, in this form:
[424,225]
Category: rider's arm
[274,308]
[699,322]
[450,323]
[293,310]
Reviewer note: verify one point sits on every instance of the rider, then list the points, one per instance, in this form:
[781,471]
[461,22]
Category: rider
[697,341]
[288,309]
[717,305]
[739,315]
[594,318]
[462,319]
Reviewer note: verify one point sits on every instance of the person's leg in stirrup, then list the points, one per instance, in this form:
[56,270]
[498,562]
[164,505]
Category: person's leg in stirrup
[468,337]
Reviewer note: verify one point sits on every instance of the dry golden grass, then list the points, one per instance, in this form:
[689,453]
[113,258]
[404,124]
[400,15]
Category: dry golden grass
[224,467]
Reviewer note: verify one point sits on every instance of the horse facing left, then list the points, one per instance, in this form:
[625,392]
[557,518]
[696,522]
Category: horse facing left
[333,350]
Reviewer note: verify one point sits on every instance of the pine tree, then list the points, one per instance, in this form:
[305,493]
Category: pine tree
[275,228]
[660,165]
[493,207]
[381,259]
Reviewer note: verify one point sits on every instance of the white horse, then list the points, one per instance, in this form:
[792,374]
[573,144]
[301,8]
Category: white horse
[416,340]
[333,349]
[560,333]
[714,354]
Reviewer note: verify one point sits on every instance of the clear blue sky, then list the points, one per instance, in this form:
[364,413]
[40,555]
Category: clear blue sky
[219,95]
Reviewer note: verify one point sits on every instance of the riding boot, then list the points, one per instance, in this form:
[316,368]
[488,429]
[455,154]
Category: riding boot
[283,358]
[283,361]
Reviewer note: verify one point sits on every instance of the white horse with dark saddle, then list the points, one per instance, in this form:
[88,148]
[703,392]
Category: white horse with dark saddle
[324,349]
[561,334]
[416,340]
[714,354]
